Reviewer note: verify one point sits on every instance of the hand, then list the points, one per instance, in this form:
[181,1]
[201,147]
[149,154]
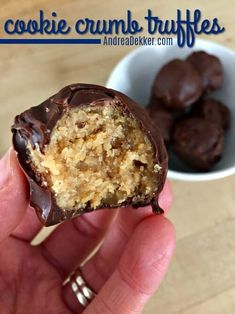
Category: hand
[125,271]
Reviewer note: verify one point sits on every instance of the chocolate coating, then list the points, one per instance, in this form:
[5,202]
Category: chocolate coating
[209,68]
[212,110]
[161,117]
[177,85]
[35,125]
[199,143]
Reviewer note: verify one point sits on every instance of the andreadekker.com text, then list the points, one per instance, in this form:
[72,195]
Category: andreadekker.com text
[137,41]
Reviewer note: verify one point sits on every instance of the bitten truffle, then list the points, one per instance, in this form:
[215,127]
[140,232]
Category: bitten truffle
[199,143]
[161,117]
[177,85]
[87,148]
[212,110]
[209,68]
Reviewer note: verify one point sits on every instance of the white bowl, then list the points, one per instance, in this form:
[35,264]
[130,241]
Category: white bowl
[134,75]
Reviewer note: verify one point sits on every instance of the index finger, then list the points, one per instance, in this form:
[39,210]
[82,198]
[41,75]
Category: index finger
[13,194]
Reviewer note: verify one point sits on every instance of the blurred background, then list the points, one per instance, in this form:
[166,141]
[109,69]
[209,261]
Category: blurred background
[201,278]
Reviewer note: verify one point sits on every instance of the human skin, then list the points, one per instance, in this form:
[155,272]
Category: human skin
[136,250]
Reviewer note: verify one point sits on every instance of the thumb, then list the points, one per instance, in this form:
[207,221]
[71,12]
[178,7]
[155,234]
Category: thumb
[13,194]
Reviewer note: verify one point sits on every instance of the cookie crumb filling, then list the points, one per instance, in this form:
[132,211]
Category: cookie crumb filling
[96,156]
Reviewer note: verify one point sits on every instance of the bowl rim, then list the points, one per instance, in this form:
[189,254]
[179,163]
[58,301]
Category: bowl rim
[173,174]
[199,177]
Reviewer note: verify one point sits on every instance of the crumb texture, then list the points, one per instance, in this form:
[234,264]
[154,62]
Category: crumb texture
[96,156]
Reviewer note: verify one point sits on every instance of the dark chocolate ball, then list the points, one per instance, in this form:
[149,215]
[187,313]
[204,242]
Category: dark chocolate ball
[161,117]
[199,143]
[209,68]
[177,85]
[88,148]
[212,110]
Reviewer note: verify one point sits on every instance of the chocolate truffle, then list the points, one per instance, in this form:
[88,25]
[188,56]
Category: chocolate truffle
[87,148]
[209,68]
[161,117]
[177,85]
[199,143]
[212,110]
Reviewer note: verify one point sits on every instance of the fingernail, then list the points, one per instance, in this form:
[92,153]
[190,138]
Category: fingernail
[5,169]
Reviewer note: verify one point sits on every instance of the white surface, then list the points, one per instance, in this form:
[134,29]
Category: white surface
[134,75]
